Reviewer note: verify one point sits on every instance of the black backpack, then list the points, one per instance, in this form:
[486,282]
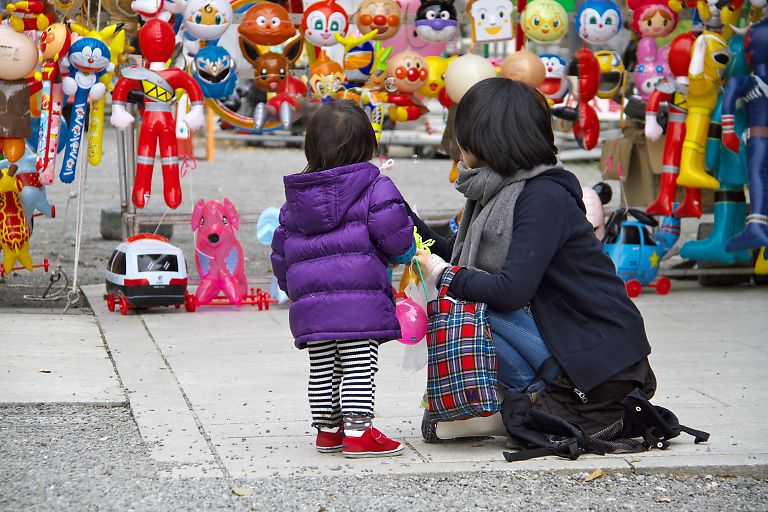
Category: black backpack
[643,426]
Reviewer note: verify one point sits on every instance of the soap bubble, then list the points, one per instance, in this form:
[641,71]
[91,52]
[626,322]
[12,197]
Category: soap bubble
[390,84]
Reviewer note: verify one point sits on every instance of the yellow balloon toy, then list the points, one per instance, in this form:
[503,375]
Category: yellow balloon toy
[544,21]
[14,228]
[709,58]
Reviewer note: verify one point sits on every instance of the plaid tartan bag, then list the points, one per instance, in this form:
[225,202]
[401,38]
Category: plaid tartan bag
[461,369]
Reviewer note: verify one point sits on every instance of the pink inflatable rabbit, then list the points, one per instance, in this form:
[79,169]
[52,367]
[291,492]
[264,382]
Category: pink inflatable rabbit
[218,253]
[652,66]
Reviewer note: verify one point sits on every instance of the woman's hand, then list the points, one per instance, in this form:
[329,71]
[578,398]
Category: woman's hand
[432,267]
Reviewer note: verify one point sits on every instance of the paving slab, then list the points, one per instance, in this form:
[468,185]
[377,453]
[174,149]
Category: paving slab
[243,383]
[54,358]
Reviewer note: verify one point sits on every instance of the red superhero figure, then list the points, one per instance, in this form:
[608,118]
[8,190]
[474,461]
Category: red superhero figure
[674,92]
[584,80]
[158,84]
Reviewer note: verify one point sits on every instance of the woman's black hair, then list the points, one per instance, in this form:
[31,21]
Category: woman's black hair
[339,134]
[506,124]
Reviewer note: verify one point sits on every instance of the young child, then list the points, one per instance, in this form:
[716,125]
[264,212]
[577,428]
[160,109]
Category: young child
[342,225]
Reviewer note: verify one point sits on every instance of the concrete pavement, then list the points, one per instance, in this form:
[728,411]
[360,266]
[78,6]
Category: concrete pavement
[222,391]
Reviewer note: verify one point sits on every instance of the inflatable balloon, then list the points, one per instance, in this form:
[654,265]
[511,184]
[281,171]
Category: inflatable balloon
[491,20]
[435,85]
[436,20]
[612,73]
[267,24]
[207,19]
[598,21]
[159,84]
[383,16]
[651,67]
[323,19]
[218,253]
[215,72]
[413,321]
[325,77]
[544,21]
[268,222]
[14,228]
[464,72]
[652,18]
[32,196]
[18,58]
[525,67]
[554,87]
[409,71]
[584,80]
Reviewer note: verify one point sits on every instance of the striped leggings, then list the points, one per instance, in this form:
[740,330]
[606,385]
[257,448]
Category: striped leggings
[341,380]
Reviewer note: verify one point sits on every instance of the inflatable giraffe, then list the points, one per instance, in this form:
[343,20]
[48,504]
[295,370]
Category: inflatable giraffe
[14,228]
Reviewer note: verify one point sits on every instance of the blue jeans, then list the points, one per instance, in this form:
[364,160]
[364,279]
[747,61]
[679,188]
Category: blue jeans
[520,349]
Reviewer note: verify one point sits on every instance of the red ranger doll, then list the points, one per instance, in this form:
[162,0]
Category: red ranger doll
[159,84]
[675,93]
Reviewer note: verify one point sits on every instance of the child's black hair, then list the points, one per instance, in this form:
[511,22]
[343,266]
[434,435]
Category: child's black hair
[506,124]
[339,134]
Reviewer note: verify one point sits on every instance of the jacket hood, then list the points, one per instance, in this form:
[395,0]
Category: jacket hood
[319,200]
[568,181]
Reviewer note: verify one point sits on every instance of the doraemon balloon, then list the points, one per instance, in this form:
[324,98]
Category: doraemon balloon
[544,21]
[436,20]
[207,19]
[554,87]
[597,21]
[214,70]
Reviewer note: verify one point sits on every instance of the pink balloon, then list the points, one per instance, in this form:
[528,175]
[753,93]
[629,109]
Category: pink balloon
[405,39]
[413,322]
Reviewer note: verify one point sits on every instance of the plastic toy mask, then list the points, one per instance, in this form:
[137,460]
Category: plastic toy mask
[436,20]
[410,70]
[207,19]
[652,18]
[267,24]
[435,76]
[553,87]
[384,16]
[214,70]
[597,21]
[320,22]
[544,21]
[325,77]
[611,73]
[491,19]
[717,57]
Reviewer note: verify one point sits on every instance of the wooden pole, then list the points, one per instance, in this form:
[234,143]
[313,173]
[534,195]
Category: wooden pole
[210,142]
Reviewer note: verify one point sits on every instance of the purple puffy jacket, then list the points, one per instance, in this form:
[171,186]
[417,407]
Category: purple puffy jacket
[339,230]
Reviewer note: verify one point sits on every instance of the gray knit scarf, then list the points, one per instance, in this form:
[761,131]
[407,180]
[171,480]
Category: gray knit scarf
[486,227]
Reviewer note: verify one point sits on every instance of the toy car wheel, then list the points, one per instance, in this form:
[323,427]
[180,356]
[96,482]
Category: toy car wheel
[663,285]
[634,288]
[190,304]
[123,306]
[111,303]
[177,306]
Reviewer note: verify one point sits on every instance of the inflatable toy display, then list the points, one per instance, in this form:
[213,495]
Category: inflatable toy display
[17,60]
[267,24]
[382,16]
[598,21]
[436,20]
[554,87]
[491,20]
[544,21]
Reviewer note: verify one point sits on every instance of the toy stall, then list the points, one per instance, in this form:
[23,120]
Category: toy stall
[667,97]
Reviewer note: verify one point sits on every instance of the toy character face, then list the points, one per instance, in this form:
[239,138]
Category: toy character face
[383,16]
[611,73]
[597,21]
[717,57]
[270,68]
[655,20]
[410,70]
[267,24]
[89,55]
[491,19]
[214,70]
[156,40]
[435,76]
[553,87]
[207,19]
[544,21]
[55,40]
[321,20]
[436,20]
[325,77]
[19,55]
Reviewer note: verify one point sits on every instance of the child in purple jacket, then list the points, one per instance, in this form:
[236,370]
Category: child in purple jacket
[342,225]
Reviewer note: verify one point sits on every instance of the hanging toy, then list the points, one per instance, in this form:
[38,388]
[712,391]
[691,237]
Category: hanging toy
[379,69]
[29,15]
[410,72]
[436,20]
[205,20]
[266,24]
[326,77]
[555,86]
[705,77]
[54,45]
[612,73]
[218,253]
[152,9]
[491,20]
[321,21]
[159,84]
[381,16]
[273,74]
[753,91]
[673,92]
[32,196]
[544,21]
[18,58]
[598,21]
[652,66]
[14,228]
[524,66]
[359,62]
[583,77]
[215,72]
[435,84]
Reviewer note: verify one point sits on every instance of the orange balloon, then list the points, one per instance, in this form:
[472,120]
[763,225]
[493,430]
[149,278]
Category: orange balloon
[525,67]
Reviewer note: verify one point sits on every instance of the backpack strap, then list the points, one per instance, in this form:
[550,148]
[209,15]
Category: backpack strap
[572,445]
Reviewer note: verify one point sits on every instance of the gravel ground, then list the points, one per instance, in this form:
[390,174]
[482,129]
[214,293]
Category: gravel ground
[90,458]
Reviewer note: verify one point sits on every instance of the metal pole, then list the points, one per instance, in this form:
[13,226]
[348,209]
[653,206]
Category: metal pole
[132,224]
[121,172]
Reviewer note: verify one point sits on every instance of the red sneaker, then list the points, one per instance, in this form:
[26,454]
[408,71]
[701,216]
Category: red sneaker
[329,442]
[371,444]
